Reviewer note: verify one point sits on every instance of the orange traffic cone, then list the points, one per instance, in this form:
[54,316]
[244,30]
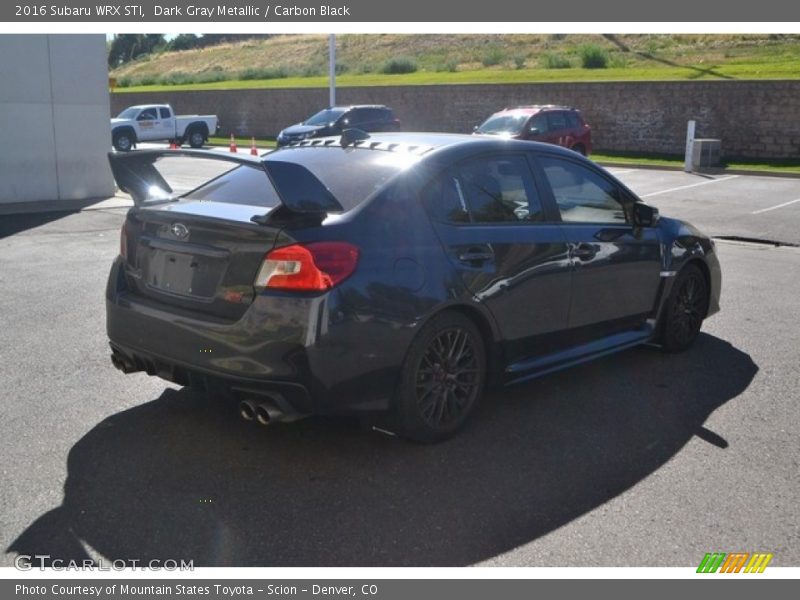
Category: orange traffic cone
[173,145]
[233,147]
[253,149]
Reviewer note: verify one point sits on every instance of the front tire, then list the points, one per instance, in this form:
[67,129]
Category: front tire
[685,309]
[122,142]
[442,379]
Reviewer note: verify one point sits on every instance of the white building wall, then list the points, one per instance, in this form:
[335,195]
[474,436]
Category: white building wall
[54,127]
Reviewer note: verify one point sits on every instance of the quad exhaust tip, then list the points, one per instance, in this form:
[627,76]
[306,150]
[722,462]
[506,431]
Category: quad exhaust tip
[247,410]
[263,413]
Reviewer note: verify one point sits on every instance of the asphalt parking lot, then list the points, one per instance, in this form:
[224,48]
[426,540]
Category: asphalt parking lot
[640,459]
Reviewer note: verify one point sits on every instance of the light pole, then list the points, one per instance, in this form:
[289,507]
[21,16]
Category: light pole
[332,68]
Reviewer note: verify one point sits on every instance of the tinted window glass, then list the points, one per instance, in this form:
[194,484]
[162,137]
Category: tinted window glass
[357,116]
[444,199]
[582,195]
[556,120]
[242,185]
[573,122]
[147,115]
[351,175]
[485,190]
[164,113]
[539,122]
[375,115]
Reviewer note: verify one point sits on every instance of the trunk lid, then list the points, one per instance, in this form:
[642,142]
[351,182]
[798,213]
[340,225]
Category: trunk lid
[201,257]
[190,240]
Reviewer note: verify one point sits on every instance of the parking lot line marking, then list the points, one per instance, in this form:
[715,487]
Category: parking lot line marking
[755,212]
[616,172]
[684,187]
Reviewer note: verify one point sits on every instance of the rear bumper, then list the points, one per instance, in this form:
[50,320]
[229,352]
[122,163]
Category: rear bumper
[293,399]
[308,350]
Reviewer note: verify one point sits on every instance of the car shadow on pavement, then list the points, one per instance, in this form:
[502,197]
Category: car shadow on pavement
[184,478]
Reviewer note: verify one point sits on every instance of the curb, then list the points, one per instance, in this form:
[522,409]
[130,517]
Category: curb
[748,172]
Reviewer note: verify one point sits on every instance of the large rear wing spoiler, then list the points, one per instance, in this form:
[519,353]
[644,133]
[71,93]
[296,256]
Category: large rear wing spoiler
[297,188]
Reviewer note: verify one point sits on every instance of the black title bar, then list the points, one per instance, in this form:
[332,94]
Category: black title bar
[392,11]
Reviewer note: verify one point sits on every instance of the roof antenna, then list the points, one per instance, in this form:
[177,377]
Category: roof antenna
[351,136]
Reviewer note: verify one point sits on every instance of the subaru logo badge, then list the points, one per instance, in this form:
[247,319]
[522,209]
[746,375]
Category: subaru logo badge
[179,230]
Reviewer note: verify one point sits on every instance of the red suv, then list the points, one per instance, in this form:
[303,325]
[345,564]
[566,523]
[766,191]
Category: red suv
[559,125]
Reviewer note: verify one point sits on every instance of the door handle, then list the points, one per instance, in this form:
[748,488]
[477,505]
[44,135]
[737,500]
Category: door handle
[584,252]
[476,255]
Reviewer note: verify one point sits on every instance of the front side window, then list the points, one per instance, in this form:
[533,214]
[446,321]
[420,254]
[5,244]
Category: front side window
[148,114]
[539,123]
[582,195]
[497,189]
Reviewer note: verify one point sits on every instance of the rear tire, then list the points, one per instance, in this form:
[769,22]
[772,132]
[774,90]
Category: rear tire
[196,139]
[685,310]
[442,379]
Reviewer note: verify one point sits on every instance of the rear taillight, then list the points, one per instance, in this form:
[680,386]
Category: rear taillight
[309,267]
[123,241]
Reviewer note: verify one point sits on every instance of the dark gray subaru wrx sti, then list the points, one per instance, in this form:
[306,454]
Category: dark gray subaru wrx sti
[393,275]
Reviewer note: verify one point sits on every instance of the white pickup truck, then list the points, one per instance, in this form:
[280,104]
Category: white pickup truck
[152,122]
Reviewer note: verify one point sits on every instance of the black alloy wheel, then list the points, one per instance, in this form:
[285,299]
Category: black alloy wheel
[685,309]
[443,378]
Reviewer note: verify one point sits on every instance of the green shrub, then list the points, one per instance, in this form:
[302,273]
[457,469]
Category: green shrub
[519,61]
[397,66]
[494,55]
[451,66]
[268,73]
[593,56]
[553,60]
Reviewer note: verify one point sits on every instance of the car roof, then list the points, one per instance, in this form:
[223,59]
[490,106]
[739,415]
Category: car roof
[352,106]
[534,108]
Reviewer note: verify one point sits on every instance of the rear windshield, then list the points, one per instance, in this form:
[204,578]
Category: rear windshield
[351,175]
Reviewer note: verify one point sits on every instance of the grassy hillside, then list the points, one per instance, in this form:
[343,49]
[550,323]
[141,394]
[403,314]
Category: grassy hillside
[382,59]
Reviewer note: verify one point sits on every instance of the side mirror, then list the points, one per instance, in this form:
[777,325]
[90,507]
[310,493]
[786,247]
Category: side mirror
[475,128]
[644,215]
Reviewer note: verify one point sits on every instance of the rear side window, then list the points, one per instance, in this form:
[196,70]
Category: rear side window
[164,113]
[582,195]
[493,189]
[573,120]
[376,115]
[356,116]
[556,120]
